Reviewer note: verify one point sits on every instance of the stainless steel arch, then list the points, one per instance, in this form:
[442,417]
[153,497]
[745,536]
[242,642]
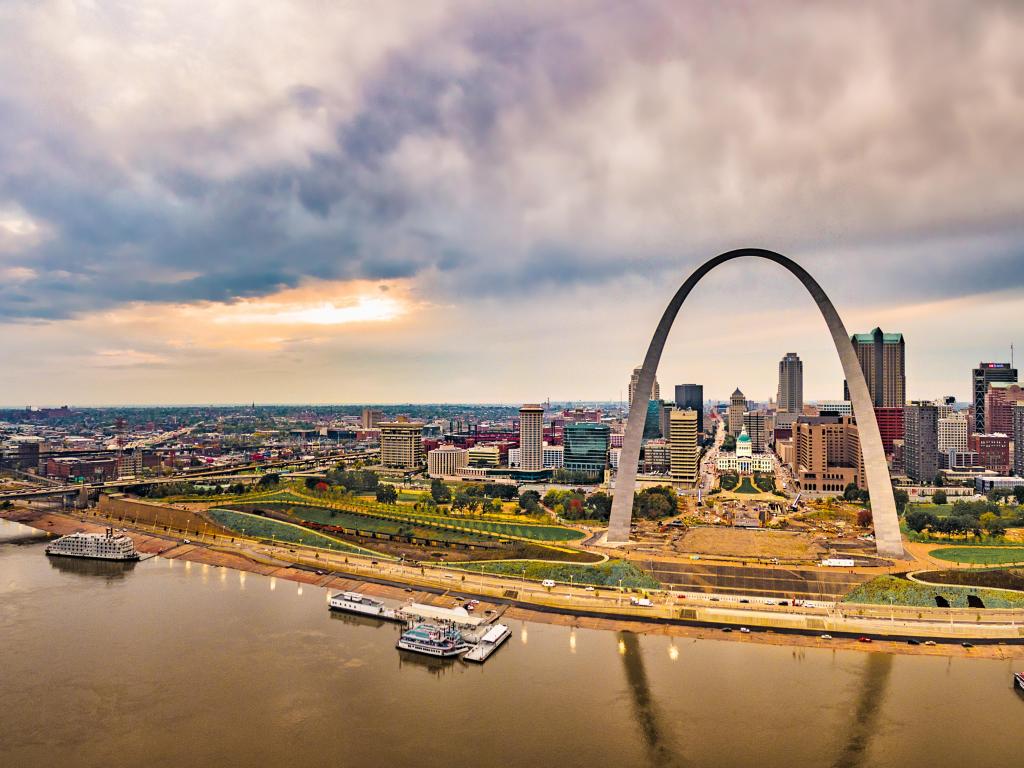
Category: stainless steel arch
[883,506]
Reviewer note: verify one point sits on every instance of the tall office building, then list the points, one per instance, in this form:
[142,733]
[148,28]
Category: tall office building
[952,433]
[1000,399]
[882,357]
[401,444]
[531,438]
[921,444]
[683,451]
[446,461]
[371,418]
[826,454]
[1018,439]
[757,429]
[982,376]
[586,447]
[691,396]
[634,379]
[652,422]
[791,386]
[737,407]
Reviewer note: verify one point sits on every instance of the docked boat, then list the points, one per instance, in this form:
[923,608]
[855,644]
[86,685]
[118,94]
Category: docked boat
[433,640]
[94,546]
[1018,681]
[355,602]
[489,643]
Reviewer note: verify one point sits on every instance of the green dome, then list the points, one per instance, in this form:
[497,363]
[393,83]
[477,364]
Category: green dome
[743,438]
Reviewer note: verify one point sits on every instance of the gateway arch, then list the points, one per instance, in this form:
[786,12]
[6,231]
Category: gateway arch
[883,505]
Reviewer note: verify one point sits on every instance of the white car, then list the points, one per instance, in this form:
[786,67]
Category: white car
[744,630]
[588,589]
[549,583]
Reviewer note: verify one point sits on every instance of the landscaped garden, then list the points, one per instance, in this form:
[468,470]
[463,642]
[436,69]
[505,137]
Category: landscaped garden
[891,590]
[611,573]
[746,486]
[258,527]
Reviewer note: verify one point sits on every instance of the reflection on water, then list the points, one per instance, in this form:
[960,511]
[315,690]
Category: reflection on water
[432,664]
[356,620]
[645,711]
[104,569]
[877,668]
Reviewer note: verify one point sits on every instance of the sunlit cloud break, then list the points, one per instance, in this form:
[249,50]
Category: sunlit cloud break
[363,309]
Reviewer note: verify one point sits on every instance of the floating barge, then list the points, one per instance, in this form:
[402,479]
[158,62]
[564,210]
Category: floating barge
[489,643]
[361,605]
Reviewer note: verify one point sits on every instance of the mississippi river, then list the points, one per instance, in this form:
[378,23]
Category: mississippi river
[170,663]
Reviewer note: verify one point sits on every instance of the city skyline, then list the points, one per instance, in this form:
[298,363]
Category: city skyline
[299,230]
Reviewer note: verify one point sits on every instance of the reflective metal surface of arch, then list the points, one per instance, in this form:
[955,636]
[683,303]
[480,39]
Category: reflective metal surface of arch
[883,505]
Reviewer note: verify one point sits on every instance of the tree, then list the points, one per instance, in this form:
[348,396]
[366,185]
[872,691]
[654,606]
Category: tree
[1018,491]
[902,499]
[386,494]
[440,492]
[269,480]
[599,505]
[321,487]
[311,483]
[461,500]
[939,497]
[851,492]
[864,518]
[529,501]
[917,520]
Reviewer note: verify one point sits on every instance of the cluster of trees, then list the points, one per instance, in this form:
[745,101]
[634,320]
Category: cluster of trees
[729,443]
[529,502]
[657,502]
[974,517]
[441,493]
[573,476]
[354,480]
[1016,493]
[855,494]
[577,505]
[185,488]
[386,494]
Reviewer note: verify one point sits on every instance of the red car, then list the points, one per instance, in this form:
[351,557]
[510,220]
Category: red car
[863,639]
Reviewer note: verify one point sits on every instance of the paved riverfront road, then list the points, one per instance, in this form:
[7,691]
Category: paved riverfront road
[754,581]
[168,663]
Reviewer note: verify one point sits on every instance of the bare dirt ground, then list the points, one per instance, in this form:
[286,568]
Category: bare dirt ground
[738,542]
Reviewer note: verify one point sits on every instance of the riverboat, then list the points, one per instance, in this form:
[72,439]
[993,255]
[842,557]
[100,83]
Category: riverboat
[354,602]
[433,640]
[94,546]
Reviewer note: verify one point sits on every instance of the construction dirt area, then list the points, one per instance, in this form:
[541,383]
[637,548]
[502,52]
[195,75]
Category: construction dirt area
[743,543]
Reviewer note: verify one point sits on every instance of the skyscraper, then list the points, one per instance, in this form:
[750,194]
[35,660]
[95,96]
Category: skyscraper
[691,396]
[791,385]
[921,444]
[982,376]
[737,407]
[634,379]
[754,423]
[586,447]
[401,444]
[683,451]
[531,438]
[882,357]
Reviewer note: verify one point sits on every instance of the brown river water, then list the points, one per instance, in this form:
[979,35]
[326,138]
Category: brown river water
[169,663]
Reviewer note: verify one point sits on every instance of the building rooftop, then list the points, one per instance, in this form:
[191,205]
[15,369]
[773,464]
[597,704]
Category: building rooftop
[887,338]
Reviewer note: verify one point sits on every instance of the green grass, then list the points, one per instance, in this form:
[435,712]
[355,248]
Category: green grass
[266,528]
[886,590]
[939,510]
[980,555]
[606,574]
[746,486]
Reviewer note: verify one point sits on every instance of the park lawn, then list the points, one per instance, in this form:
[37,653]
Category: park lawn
[980,555]
[267,528]
[939,510]
[746,486]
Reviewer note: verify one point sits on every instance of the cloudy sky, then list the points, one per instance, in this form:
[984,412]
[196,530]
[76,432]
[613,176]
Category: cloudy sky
[353,201]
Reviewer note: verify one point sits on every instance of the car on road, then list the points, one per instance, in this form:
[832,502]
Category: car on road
[863,639]
[826,637]
[588,589]
[549,583]
[744,630]
[186,541]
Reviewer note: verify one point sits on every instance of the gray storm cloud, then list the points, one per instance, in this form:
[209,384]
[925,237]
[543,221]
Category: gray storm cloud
[156,153]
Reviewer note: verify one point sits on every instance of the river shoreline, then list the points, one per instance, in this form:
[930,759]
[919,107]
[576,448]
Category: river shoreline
[386,586]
